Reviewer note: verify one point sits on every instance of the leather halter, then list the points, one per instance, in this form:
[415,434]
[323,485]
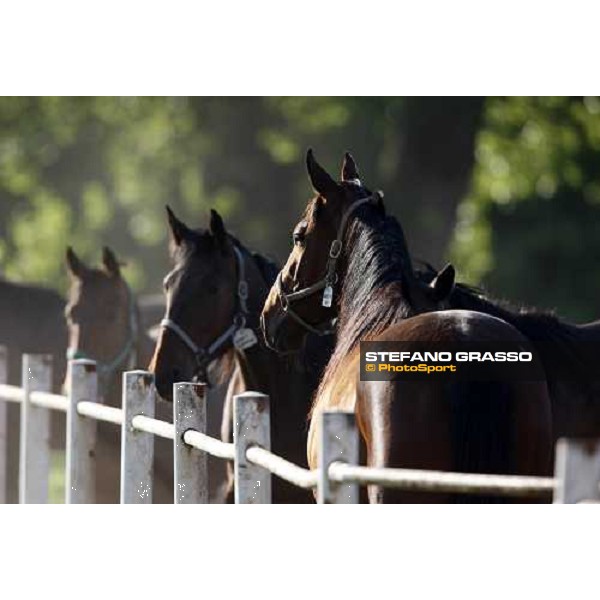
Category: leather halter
[327,281]
[127,356]
[205,355]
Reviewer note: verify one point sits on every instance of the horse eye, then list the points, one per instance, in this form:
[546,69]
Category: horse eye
[298,237]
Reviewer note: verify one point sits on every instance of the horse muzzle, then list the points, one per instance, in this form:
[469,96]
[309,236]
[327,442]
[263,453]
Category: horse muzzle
[280,333]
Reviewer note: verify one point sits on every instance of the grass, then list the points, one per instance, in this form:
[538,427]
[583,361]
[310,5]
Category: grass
[56,491]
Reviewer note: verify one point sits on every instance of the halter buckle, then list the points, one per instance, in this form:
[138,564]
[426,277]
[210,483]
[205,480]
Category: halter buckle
[201,355]
[239,321]
[285,303]
[243,290]
[335,249]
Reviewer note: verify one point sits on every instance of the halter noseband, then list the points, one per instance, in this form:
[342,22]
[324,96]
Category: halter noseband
[205,355]
[327,282]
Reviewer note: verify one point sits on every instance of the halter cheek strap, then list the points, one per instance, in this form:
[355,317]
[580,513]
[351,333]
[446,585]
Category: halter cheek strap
[327,281]
[205,355]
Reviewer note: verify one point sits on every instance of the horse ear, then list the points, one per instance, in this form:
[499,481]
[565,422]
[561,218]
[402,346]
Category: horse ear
[349,168]
[110,262]
[179,230]
[319,178]
[217,227]
[443,283]
[74,264]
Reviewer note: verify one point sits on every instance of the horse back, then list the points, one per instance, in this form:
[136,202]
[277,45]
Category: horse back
[501,427]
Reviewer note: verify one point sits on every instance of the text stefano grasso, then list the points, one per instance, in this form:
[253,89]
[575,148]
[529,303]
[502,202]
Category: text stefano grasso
[469,361]
[459,356]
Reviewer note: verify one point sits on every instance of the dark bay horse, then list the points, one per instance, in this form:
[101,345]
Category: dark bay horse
[103,322]
[351,261]
[215,293]
[31,322]
[564,349]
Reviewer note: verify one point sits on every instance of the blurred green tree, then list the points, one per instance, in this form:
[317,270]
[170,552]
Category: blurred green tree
[93,171]
[529,230]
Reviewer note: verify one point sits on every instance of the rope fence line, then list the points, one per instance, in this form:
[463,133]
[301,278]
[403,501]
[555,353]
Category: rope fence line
[99,412]
[154,426]
[205,443]
[577,474]
[10,393]
[445,481]
[282,468]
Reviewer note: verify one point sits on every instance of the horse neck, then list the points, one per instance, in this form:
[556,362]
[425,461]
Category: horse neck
[379,281]
[289,385]
[377,288]
[256,363]
[139,355]
[257,368]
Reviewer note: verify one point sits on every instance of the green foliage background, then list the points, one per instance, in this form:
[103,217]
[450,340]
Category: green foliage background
[509,188]
[530,226]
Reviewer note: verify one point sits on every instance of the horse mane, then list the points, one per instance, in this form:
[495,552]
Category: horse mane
[377,285]
[536,324]
[544,328]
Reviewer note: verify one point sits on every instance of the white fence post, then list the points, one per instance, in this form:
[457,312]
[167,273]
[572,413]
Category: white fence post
[137,447]
[339,443]
[251,427]
[3,429]
[190,465]
[81,434]
[577,471]
[34,458]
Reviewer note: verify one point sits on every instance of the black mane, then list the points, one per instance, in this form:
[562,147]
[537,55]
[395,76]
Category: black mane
[537,325]
[562,346]
[378,281]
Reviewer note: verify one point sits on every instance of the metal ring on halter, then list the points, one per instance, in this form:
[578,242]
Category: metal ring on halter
[285,303]
[335,249]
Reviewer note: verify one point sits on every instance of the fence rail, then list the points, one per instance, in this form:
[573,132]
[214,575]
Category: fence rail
[337,480]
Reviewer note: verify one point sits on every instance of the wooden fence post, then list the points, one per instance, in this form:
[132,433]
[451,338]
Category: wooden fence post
[251,427]
[339,443]
[577,471]
[81,434]
[34,459]
[3,429]
[190,465]
[137,447]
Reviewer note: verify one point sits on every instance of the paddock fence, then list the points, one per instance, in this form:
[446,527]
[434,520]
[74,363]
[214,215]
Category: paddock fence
[336,480]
